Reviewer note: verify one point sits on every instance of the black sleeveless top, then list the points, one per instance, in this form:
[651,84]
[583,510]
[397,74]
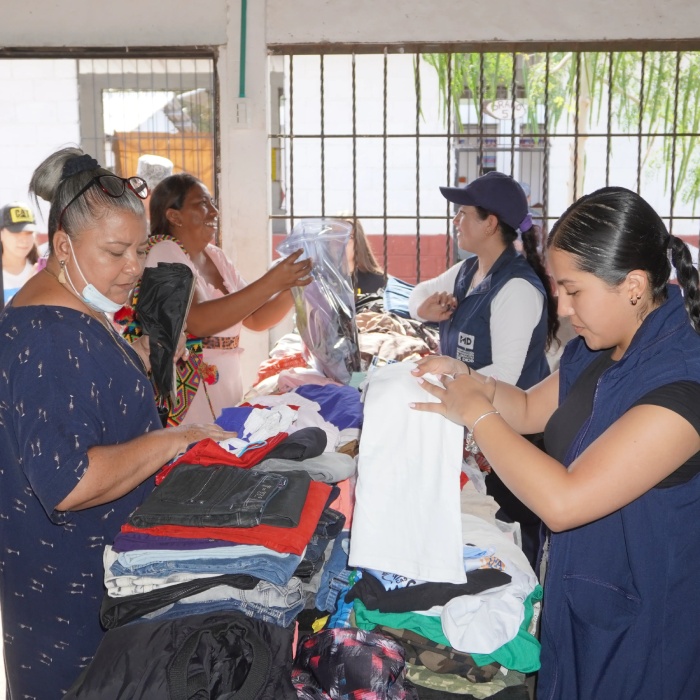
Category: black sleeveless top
[681,397]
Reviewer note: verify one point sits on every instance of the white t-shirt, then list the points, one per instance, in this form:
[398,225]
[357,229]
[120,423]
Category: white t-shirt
[515,312]
[13,283]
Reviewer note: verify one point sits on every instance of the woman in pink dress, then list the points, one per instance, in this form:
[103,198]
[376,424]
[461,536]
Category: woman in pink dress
[184,222]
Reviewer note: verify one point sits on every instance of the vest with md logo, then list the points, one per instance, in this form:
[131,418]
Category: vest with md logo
[467,334]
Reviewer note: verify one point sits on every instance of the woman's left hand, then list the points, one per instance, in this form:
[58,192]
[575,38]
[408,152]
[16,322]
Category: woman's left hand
[462,399]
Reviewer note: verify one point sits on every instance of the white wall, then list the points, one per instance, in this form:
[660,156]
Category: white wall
[38,114]
[385,21]
[97,23]
[338,154]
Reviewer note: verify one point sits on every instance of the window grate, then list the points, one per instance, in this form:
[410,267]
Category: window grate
[377,133]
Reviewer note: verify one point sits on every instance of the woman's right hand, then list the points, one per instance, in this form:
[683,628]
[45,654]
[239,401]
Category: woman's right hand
[184,435]
[290,272]
[440,364]
[438,307]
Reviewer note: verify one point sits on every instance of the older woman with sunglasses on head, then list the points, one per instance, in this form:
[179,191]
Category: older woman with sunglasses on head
[80,431]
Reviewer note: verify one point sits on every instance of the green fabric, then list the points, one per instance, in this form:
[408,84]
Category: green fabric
[425,625]
[522,653]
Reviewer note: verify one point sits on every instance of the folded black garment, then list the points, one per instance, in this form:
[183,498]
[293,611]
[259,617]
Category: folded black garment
[115,612]
[423,595]
[210,655]
[224,496]
[330,524]
[300,445]
[306,570]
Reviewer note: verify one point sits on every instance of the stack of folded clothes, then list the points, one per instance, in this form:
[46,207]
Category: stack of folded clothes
[230,530]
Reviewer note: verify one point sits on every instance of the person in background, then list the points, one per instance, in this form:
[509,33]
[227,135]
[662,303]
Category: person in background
[496,309]
[81,437]
[619,485]
[184,223]
[367,274]
[534,209]
[153,169]
[19,251]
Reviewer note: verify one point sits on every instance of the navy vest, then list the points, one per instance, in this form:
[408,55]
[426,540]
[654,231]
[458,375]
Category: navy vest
[466,335]
[621,617]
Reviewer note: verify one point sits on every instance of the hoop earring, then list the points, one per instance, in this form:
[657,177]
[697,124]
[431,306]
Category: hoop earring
[634,300]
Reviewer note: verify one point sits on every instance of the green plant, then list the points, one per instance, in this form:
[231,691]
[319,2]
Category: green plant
[652,93]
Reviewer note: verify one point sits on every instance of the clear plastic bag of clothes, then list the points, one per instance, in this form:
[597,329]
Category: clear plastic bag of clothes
[325,309]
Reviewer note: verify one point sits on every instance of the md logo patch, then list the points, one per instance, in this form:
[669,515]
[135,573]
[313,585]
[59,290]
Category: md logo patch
[466,341]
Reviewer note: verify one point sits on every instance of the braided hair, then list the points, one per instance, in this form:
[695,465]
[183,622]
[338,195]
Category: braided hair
[534,257]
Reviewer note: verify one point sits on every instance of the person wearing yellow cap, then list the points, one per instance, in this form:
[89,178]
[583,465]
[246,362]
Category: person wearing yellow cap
[19,251]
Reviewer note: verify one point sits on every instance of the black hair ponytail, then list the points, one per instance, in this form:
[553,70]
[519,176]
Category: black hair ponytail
[532,255]
[687,276]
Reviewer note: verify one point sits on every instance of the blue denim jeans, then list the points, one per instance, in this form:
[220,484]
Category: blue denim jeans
[274,569]
[335,574]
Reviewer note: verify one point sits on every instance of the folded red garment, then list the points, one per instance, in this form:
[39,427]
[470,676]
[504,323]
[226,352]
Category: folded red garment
[280,539]
[207,452]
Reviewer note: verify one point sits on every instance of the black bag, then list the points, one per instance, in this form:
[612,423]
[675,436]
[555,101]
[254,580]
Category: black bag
[223,655]
[164,299]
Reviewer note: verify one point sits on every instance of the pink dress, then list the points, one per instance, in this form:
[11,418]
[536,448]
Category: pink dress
[228,389]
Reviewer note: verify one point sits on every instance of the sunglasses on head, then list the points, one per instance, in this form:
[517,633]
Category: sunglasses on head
[113,186]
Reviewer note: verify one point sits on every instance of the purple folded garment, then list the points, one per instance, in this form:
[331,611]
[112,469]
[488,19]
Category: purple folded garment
[132,541]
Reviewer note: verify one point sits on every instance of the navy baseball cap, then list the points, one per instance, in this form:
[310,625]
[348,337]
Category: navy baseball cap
[499,194]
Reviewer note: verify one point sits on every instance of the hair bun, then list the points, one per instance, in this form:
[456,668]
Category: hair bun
[78,164]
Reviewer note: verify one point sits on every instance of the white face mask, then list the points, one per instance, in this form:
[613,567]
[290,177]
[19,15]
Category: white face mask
[90,294]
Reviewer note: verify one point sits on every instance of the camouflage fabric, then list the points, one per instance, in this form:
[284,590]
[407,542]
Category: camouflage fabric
[451,683]
[439,658]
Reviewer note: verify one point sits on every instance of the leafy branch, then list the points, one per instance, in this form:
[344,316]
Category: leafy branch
[639,89]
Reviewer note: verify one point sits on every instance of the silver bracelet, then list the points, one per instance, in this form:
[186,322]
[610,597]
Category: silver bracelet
[470,444]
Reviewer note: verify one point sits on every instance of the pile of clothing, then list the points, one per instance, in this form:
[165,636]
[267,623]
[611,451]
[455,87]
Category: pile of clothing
[443,586]
[209,574]
[332,550]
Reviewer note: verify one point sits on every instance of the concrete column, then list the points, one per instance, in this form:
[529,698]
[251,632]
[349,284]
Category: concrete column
[244,184]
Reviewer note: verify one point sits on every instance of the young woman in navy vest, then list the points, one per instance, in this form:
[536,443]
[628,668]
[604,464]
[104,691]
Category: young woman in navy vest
[619,488]
[496,310]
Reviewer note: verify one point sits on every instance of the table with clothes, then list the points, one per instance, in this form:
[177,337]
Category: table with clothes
[271,566]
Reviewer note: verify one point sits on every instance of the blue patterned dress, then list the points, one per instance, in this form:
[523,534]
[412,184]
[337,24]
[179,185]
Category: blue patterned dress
[65,386]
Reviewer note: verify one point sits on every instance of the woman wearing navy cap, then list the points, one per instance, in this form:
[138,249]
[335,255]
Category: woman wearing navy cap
[496,309]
